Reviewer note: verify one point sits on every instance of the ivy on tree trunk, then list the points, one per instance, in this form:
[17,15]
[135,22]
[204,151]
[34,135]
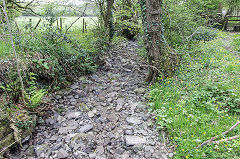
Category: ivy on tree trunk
[160,55]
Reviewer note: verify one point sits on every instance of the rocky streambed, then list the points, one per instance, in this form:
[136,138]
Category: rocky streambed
[102,116]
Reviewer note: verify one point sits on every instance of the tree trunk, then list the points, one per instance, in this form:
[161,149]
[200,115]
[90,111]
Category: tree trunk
[105,10]
[161,58]
[153,42]
[109,19]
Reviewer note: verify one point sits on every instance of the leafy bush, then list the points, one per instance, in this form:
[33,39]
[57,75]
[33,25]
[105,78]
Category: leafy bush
[126,19]
[54,57]
[181,19]
[50,58]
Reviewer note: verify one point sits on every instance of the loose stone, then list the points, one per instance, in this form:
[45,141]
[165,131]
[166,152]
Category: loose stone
[86,128]
[91,114]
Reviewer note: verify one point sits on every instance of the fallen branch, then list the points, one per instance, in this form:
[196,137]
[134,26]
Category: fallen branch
[215,137]
[227,139]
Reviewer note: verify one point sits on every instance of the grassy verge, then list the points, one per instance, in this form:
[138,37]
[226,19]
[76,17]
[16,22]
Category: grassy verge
[236,43]
[202,101]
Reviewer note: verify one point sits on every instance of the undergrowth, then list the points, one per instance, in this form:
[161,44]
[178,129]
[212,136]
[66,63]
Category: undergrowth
[5,48]
[50,58]
[202,101]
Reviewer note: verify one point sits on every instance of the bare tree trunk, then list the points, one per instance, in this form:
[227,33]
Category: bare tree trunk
[14,50]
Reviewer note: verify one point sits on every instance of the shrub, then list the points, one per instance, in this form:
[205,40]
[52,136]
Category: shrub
[54,57]
[126,19]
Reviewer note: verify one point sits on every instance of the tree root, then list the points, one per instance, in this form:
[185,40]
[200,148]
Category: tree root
[224,133]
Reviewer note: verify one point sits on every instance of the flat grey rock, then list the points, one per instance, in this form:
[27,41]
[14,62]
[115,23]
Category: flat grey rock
[139,90]
[133,140]
[129,132]
[133,120]
[73,115]
[86,128]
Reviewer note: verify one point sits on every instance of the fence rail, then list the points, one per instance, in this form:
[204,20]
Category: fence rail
[232,23]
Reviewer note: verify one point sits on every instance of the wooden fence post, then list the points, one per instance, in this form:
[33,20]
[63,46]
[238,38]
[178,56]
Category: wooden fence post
[83,25]
[60,23]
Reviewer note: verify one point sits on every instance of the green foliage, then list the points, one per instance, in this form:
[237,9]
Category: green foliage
[202,101]
[11,87]
[5,50]
[94,41]
[24,125]
[36,98]
[180,20]
[118,39]
[204,34]
[10,84]
[207,5]
[126,18]
[33,94]
[56,57]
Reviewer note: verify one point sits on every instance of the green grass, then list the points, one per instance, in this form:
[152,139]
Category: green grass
[202,101]
[75,31]
[236,43]
[24,20]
